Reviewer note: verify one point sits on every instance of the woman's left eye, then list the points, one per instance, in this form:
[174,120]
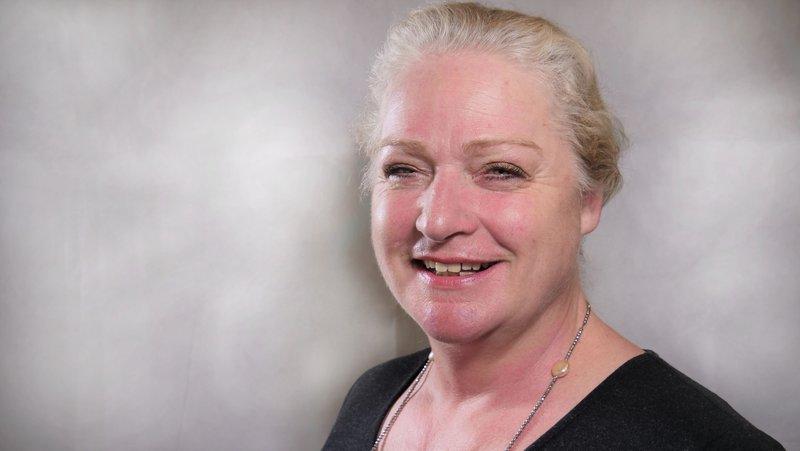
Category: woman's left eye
[504,171]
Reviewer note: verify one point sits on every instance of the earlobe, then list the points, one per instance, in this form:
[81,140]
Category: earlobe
[591,207]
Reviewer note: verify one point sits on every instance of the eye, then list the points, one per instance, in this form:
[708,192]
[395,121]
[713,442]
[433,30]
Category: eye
[504,171]
[397,171]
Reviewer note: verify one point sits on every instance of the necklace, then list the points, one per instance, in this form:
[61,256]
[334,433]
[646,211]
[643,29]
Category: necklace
[558,371]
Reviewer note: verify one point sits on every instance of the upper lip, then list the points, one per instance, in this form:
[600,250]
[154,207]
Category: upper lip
[451,259]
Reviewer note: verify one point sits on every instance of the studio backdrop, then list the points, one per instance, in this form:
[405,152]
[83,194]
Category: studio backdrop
[185,262]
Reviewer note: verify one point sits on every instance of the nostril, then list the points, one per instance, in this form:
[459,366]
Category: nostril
[439,226]
[445,209]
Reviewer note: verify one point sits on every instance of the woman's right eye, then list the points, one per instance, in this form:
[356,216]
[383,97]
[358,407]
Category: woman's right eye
[397,171]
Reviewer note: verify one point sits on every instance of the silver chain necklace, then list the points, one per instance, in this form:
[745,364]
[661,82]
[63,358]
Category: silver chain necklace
[558,371]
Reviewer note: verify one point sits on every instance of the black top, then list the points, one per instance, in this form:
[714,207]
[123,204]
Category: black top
[644,404]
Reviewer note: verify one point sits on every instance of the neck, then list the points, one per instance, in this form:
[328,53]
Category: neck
[501,364]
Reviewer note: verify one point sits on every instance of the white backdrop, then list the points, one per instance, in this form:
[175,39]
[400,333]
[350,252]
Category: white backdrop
[185,263]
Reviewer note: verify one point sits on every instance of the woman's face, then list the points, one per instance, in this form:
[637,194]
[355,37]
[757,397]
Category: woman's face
[471,172]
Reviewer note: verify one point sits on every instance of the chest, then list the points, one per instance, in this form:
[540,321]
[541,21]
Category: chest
[477,429]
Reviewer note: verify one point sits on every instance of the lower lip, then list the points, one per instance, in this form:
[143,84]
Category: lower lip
[455,282]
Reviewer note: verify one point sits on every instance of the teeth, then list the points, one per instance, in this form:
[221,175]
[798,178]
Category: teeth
[461,269]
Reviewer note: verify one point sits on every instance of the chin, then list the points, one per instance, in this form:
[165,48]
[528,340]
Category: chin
[451,323]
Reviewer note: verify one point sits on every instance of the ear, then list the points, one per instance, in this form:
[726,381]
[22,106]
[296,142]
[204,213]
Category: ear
[591,207]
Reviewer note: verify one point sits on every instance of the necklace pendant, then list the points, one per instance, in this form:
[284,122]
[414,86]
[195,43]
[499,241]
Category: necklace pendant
[560,369]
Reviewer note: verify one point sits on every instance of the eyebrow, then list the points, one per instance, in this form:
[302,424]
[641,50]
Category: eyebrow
[410,146]
[477,145]
[417,147]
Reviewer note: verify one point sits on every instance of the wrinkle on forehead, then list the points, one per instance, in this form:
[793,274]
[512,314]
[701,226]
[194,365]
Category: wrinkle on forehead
[451,73]
[479,145]
[444,103]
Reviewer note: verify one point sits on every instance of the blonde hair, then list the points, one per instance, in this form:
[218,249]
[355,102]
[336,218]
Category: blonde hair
[565,66]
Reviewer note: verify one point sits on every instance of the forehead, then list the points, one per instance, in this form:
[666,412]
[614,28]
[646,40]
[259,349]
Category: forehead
[465,96]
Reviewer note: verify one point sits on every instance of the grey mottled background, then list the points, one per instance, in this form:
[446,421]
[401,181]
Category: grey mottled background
[184,261]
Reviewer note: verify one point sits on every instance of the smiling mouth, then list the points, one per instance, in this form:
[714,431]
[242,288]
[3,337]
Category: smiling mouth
[451,269]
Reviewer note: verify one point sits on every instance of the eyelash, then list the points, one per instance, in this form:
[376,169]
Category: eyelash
[506,171]
[392,170]
[509,171]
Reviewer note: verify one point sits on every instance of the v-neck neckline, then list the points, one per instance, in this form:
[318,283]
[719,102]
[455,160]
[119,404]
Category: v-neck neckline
[556,428]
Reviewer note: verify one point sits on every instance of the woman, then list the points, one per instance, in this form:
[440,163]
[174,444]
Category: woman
[491,155]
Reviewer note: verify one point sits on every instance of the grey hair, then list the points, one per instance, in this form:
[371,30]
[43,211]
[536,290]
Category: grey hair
[595,135]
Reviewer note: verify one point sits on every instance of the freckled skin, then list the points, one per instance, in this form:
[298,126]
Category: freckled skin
[449,201]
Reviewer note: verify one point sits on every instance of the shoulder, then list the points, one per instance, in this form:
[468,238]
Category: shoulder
[368,400]
[686,407]
[648,403]
[388,375]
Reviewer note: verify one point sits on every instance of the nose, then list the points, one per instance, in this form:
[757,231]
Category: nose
[447,207]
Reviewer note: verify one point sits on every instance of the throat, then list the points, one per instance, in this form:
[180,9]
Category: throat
[506,366]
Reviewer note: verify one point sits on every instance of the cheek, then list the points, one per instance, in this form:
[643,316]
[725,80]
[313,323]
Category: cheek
[393,220]
[526,221]
[509,219]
